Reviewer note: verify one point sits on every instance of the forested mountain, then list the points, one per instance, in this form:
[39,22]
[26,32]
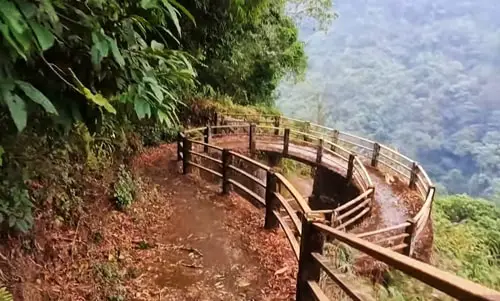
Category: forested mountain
[421,75]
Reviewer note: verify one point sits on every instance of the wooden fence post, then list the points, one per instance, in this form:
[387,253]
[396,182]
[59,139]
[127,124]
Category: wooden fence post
[350,168]
[413,175]
[271,221]
[306,130]
[226,160]
[179,146]
[251,139]
[217,123]
[207,135]
[286,141]
[408,250]
[277,120]
[319,152]
[376,153]
[335,139]
[186,155]
[309,269]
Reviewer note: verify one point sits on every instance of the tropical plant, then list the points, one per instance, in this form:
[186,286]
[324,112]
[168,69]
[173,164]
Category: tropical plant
[124,188]
[15,207]
[49,46]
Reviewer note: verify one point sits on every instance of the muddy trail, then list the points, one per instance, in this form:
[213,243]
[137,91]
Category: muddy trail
[180,240]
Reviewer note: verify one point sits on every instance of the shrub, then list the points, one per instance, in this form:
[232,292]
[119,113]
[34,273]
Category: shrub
[15,207]
[124,189]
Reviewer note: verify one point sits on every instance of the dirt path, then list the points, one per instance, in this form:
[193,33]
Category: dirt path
[180,240]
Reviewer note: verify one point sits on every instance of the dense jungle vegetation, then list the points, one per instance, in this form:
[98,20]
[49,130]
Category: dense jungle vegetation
[419,75]
[83,82]
[84,85]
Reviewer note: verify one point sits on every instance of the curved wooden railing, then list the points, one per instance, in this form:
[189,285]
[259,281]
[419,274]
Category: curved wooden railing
[309,227]
[367,152]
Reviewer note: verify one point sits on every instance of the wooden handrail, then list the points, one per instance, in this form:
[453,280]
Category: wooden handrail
[446,282]
[379,231]
[295,194]
[249,160]
[450,284]
[354,201]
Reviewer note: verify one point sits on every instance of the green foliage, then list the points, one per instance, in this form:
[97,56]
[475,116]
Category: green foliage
[245,47]
[420,76]
[2,151]
[466,243]
[124,189]
[15,207]
[49,46]
[5,295]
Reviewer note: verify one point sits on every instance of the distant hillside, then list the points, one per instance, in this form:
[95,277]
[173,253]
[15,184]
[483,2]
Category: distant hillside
[421,75]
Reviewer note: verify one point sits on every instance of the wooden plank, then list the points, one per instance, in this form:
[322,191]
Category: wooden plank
[448,283]
[387,239]
[398,247]
[354,201]
[250,160]
[189,131]
[248,191]
[230,126]
[206,144]
[353,210]
[205,169]
[248,175]
[206,157]
[289,234]
[356,144]
[290,211]
[394,169]
[400,164]
[379,231]
[318,293]
[357,137]
[296,195]
[329,271]
[355,218]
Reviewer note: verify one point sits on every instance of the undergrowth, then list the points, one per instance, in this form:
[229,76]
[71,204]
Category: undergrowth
[124,188]
[466,243]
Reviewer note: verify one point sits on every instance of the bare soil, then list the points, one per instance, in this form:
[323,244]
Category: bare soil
[181,240]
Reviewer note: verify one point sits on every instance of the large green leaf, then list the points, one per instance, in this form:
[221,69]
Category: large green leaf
[116,52]
[100,48]
[17,109]
[44,37]
[99,100]
[173,15]
[148,4]
[183,9]
[142,108]
[36,96]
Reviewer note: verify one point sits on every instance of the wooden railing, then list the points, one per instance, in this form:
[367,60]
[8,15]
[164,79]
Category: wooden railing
[308,228]
[367,152]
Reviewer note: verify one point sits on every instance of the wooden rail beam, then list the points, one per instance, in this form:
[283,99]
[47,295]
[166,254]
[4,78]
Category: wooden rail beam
[413,176]
[207,136]
[251,139]
[277,120]
[272,203]
[186,156]
[375,155]
[350,168]
[408,240]
[335,140]
[226,161]
[286,141]
[319,152]
[312,241]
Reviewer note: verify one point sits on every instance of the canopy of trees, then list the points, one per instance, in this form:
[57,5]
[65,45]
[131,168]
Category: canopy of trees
[79,79]
[419,75]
